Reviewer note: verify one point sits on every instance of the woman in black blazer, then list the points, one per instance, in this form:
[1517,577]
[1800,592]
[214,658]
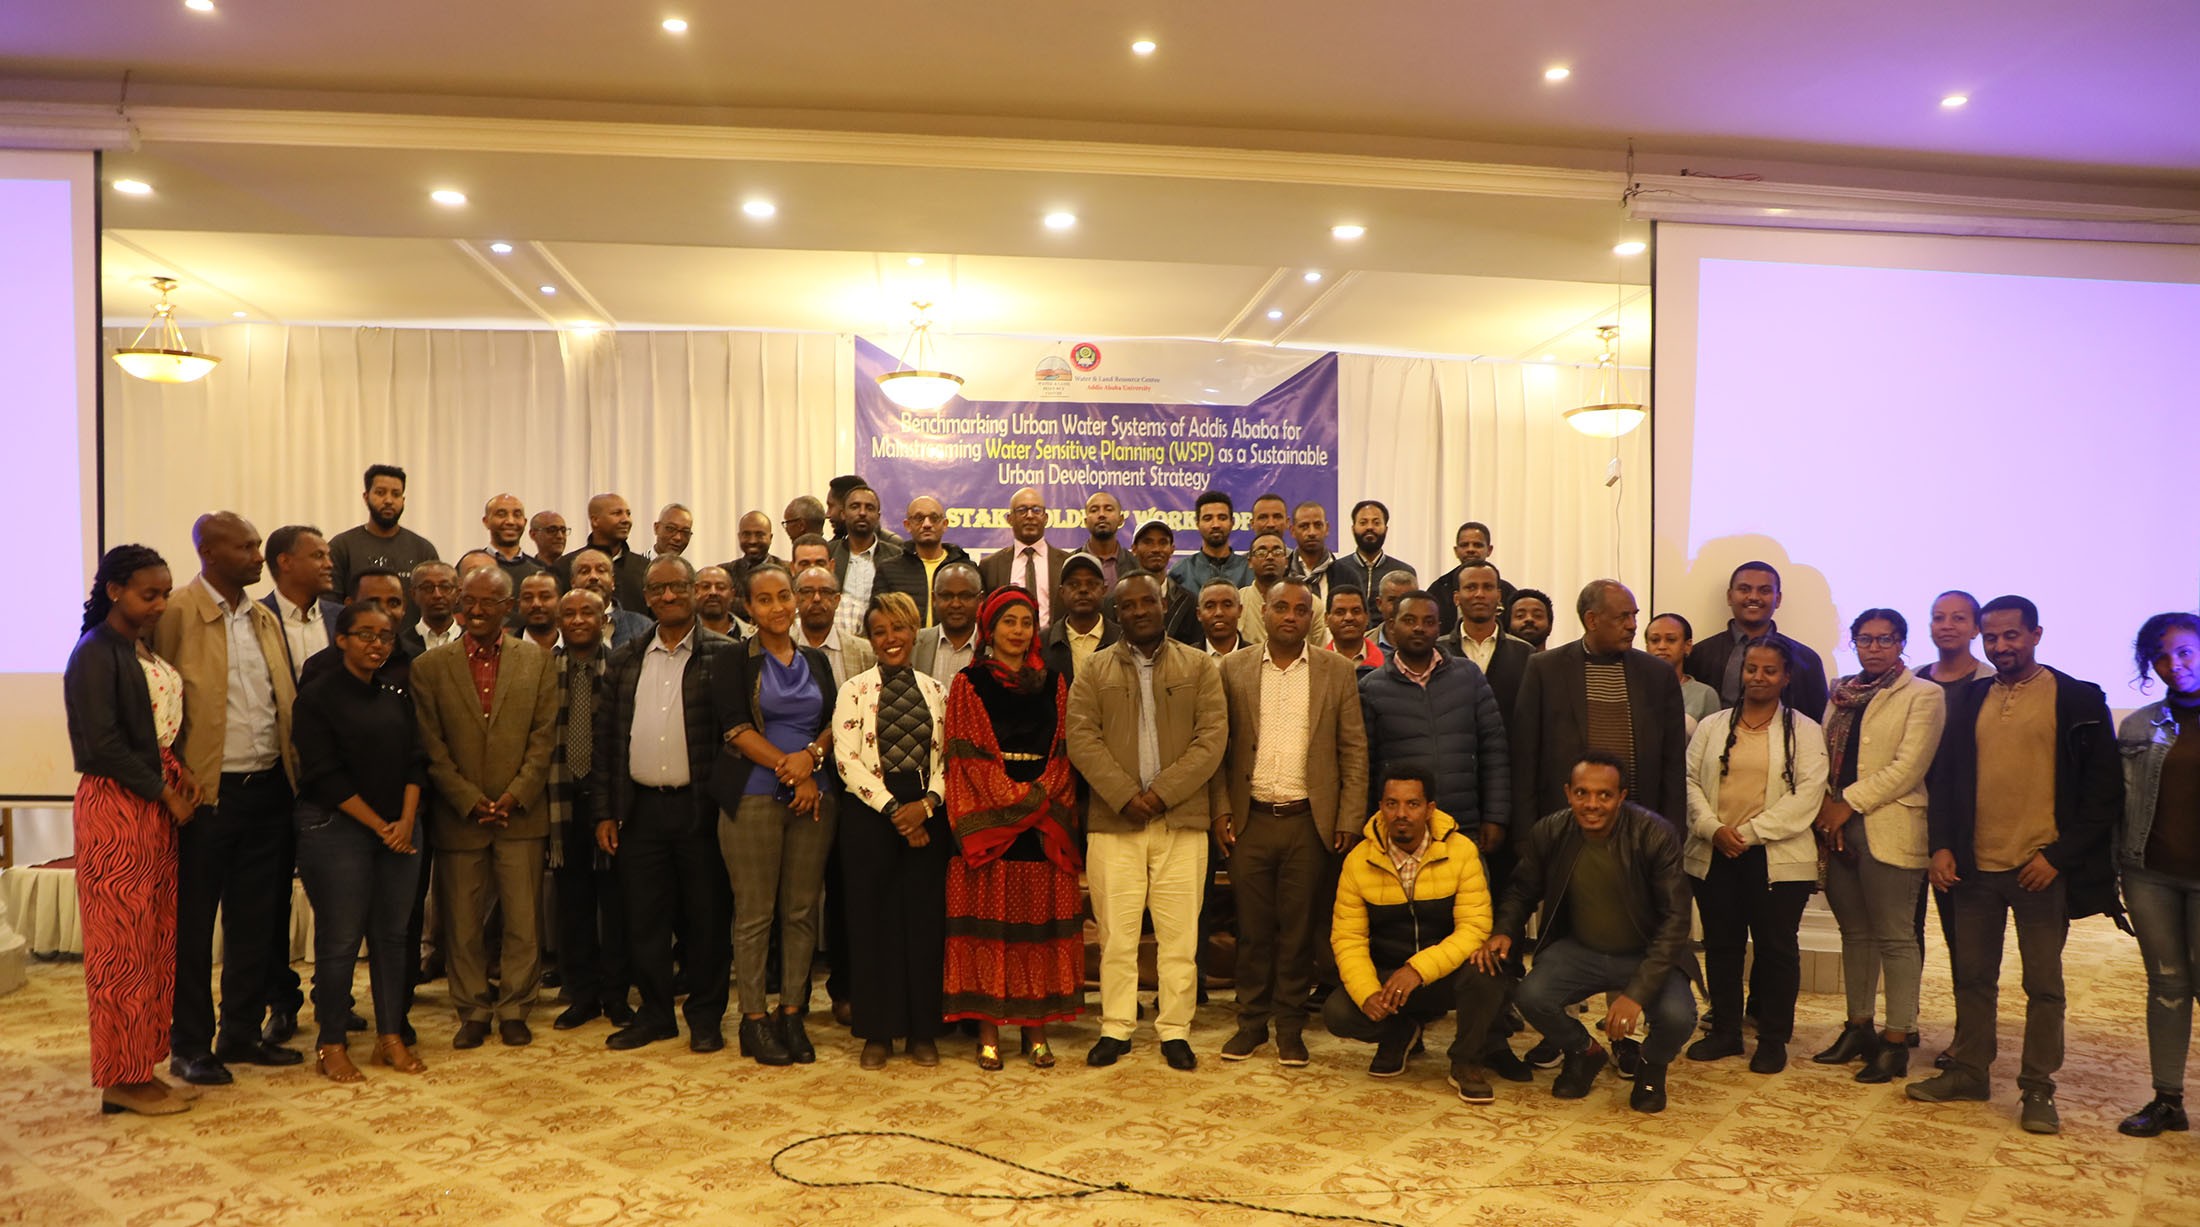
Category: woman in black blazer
[125,711]
[773,699]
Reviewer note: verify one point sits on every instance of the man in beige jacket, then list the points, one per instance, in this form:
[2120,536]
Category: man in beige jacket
[235,854]
[1147,727]
[488,709]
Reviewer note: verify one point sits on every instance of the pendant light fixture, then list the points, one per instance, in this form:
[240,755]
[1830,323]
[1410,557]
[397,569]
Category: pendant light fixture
[167,360]
[920,385]
[1610,417]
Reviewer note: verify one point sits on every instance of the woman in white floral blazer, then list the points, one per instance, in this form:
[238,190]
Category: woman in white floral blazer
[889,740]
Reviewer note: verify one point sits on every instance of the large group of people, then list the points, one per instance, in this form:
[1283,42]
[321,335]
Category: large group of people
[927,769]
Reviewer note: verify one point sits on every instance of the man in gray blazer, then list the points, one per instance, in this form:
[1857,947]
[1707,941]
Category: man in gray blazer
[945,647]
[1294,776]
[488,709]
[1147,726]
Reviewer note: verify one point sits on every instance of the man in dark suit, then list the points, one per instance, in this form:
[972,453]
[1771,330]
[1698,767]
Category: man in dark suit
[1081,630]
[1503,658]
[488,708]
[912,572]
[1599,693]
[609,522]
[1753,596]
[655,743]
[857,559]
[1030,561]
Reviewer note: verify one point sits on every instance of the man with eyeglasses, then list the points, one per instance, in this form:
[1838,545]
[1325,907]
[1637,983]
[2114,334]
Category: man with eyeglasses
[549,532]
[488,708]
[1030,562]
[817,602]
[804,517]
[913,573]
[1271,560]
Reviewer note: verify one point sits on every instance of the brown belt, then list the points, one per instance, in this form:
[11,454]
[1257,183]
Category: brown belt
[1281,809]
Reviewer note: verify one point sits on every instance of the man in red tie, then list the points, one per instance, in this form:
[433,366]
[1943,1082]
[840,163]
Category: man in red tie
[1030,562]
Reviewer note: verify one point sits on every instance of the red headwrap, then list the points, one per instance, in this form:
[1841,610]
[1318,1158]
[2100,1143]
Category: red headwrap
[998,602]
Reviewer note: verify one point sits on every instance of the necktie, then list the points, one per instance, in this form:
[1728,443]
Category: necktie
[580,723]
[1031,581]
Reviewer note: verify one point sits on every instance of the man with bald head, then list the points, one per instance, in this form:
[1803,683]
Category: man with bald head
[754,535]
[1030,561]
[488,709]
[591,920]
[235,853]
[913,573]
[506,519]
[804,517]
[1599,693]
[610,520]
[1103,522]
[591,569]
[674,528]
[548,531]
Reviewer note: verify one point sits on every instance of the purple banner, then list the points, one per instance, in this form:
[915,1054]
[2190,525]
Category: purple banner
[1155,457]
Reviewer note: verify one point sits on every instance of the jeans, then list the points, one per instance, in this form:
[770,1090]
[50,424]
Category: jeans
[1740,906]
[1567,971]
[232,857]
[775,859]
[1477,997]
[1981,906]
[359,889]
[1872,901]
[2165,912]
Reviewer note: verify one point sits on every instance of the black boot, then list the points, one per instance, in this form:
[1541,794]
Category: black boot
[1892,1061]
[1856,1042]
[796,1037]
[760,1040]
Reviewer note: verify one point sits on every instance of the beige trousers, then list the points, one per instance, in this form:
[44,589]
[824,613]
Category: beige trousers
[1159,870]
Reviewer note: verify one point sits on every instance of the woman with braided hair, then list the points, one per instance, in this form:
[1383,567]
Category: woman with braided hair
[1756,776]
[1015,920]
[125,708]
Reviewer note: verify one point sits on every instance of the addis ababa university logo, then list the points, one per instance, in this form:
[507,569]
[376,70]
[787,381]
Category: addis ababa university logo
[1084,355]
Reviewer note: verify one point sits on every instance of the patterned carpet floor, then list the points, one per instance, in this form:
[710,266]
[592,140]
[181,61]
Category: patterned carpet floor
[566,1132]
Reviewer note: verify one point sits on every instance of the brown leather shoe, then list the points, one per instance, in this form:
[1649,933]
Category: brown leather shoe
[844,1013]
[875,1053]
[145,1099]
[514,1033]
[470,1035]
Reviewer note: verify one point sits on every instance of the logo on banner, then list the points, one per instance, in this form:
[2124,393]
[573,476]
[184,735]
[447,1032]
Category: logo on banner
[1052,370]
[1084,355]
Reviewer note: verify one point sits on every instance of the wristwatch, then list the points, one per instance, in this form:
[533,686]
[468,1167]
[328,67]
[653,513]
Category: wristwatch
[932,803]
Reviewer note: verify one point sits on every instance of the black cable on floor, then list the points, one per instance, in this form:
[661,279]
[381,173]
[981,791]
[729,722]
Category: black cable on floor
[1086,1188]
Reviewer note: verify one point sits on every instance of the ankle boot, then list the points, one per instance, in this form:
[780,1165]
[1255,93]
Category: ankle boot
[1857,1041]
[760,1041]
[1892,1061]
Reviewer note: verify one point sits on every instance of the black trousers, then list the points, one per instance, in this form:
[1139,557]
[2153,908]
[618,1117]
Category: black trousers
[416,924]
[1475,995]
[897,923]
[838,966]
[285,991]
[673,877]
[233,858]
[592,941]
[1740,906]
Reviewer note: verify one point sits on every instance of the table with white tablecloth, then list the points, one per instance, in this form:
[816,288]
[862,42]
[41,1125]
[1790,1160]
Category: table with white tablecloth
[41,904]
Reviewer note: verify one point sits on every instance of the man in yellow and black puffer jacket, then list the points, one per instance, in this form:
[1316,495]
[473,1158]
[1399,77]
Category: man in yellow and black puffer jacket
[1411,905]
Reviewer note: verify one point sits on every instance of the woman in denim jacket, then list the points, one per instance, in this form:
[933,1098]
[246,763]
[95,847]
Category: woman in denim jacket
[2158,855]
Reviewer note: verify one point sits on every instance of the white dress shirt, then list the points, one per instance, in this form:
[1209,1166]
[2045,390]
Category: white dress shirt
[1480,652]
[855,590]
[949,660]
[436,639]
[248,742]
[657,747]
[1035,557]
[1286,721]
[304,630]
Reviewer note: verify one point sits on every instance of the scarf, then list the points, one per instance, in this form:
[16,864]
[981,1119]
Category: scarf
[1020,674]
[1850,695]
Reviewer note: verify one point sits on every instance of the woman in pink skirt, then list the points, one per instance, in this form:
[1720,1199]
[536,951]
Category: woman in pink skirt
[125,709]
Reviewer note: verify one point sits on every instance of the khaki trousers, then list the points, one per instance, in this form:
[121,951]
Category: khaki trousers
[1158,870]
[508,872]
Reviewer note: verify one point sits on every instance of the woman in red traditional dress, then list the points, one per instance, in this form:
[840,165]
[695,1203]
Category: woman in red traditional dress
[1015,920]
[125,710]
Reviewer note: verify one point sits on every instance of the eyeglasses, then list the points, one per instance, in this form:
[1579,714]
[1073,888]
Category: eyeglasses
[1877,641]
[372,636]
[1270,551]
[552,530]
[658,589]
[482,604]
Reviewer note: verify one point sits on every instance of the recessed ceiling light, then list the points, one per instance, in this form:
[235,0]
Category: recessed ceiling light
[1952,101]
[236,315]
[1060,220]
[548,289]
[133,187]
[1550,357]
[1275,315]
[1632,247]
[1143,46]
[1347,231]
[759,208]
[447,196]
[1312,277]
[199,6]
[502,249]
[587,327]
[1559,73]
[675,25]
[916,261]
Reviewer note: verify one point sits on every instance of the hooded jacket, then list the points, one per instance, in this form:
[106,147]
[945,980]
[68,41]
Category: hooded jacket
[1376,928]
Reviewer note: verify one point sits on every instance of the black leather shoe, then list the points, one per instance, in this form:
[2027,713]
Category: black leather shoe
[577,1016]
[2153,1119]
[1627,1056]
[1106,1051]
[470,1035]
[201,1071]
[1578,1073]
[618,1012]
[1504,1064]
[760,1041]
[1545,1055]
[706,1040]
[514,1033]
[352,1022]
[1770,1058]
[796,1037]
[257,1052]
[1857,1042]
[1179,1054]
[1892,1061]
[637,1034]
[281,1028]
[1649,1092]
[1716,1046]
[1291,1048]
